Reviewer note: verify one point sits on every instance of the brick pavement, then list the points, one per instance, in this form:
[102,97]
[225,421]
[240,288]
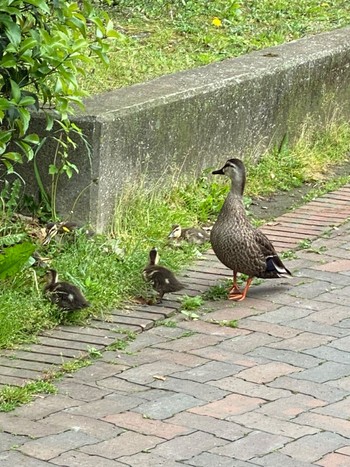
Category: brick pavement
[273,392]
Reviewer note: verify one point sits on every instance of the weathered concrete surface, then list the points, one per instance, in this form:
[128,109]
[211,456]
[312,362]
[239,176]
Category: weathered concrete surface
[194,119]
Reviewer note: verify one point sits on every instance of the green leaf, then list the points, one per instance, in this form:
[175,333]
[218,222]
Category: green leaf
[13,259]
[16,91]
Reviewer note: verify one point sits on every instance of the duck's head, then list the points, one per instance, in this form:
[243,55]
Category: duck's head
[235,170]
[175,231]
[153,256]
[51,276]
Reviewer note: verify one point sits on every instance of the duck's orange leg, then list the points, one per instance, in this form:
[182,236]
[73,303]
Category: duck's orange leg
[238,297]
[234,290]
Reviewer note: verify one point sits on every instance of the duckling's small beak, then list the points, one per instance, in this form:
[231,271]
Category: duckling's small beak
[218,172]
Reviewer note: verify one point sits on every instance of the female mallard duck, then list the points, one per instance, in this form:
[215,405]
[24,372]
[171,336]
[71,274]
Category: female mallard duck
[67,296]
[236,243]
[162,279]
[190,235]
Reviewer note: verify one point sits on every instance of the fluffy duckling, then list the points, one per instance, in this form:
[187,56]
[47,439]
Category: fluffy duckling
[67,296]
[54,228]
[236,243]
[162,279]
[191,235]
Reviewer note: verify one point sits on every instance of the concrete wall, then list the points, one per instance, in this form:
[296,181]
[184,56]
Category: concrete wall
[198,118]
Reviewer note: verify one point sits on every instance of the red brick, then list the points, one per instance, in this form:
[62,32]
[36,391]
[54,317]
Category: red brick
[268,372]
[231,405]
[334,460]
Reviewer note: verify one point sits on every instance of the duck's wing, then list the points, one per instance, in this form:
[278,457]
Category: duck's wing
[274,265]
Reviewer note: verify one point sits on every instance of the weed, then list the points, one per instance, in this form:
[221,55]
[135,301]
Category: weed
[186,334]
[191,303]
[233,323]
[13,396]
[94,353]
[288,254]
[305,244]
[120,344]
[167,323]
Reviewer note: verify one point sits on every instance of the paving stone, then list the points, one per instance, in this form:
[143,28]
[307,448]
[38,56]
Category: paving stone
[17,425]
[43,407]
[89,425]
[332,315]
[321,391]
[259,421]
[245,344]
[325,372]
[345,450]
[303,341]
[284,314]
[212,329]
[267,372]
[121,385]
[294,302]
[210,371]
[290,407]
[325,422]
[80,391]
[297,359]
[185,447]
[313,289]
[207,459]
[144,374]
[323,275]
[204,392]
[254,444]
[154,394]
[272,329]
[335,266]
[276,459]
[326,352]
[307,324]
[96,372]
[168,406]
[125,444]
[248,388]
[9,440]
[17,459]
[215,352]
[51,446]
[230,405]
[220,428]
[145,339]
[136,422]
[310,448]
[185,344]
[334,460]
[114,403]
[342,344]
[146,459]
[79,459]
[341,383]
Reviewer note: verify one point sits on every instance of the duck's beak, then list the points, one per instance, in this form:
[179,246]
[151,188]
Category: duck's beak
[218,172]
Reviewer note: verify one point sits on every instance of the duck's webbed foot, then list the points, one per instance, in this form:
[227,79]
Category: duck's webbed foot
[234,293]
[238,297]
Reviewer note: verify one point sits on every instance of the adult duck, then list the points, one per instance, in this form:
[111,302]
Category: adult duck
[236,243]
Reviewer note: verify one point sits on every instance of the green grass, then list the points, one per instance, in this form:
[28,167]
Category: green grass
[13,396]
[158,37]
[108,268]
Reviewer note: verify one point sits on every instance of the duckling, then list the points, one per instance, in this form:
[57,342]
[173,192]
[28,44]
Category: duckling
[162,279]
[236,243]
[67,296]
[191,235]
[54,228]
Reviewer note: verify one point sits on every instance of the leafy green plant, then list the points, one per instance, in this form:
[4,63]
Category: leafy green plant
[14,258]
[44,47]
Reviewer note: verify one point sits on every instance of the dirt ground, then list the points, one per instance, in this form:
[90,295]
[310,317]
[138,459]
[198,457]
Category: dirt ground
[268,208]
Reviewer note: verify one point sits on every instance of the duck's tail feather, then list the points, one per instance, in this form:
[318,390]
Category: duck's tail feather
[274,264]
